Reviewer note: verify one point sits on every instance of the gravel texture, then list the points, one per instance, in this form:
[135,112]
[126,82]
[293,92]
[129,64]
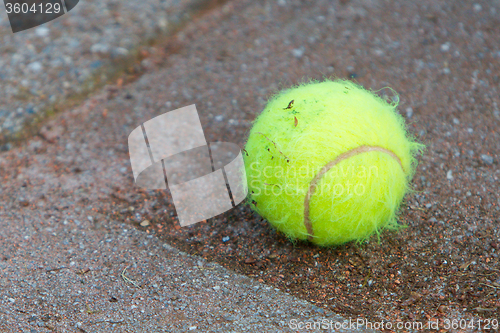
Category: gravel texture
[78,272]
[445,265]
[46,65]
[443,59]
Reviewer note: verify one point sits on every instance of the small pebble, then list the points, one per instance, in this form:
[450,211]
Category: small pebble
[409,112]
[144,223]
[487,159]
[449,175]
[225,239]
[456,121]
[99,48]
[298,53]
[120,51]
[35,67]
[42,31]
[163,23]
[477,8]
[445,47]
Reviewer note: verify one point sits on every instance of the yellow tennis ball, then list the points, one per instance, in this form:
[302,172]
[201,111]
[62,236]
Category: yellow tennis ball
[329,162]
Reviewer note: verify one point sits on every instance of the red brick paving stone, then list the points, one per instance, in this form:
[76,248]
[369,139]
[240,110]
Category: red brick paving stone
[443,58]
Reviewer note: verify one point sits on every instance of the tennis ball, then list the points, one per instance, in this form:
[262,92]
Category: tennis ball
[329,162]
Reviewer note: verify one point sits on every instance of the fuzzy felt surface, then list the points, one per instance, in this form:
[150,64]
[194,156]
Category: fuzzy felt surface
[305,128]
